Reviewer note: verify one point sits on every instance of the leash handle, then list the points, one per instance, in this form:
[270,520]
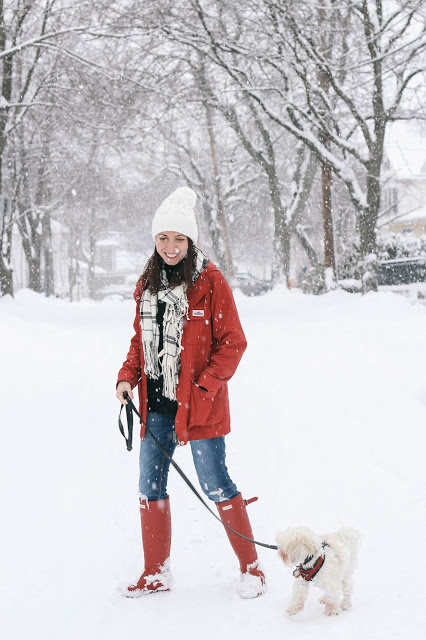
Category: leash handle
[129,415]
[131,407]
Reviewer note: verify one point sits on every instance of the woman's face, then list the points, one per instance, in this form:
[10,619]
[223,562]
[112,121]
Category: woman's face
[171,246]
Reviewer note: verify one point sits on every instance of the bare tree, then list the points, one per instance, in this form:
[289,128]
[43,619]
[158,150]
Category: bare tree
[345,125]
[25,28]
[41,46]
[259,137]
[275,52]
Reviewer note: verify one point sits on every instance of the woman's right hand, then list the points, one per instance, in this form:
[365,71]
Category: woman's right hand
[123,386]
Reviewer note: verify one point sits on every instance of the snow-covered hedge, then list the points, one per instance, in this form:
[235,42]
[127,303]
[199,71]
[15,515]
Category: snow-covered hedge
[391,246]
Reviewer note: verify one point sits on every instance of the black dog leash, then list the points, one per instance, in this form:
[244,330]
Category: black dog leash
[130,407]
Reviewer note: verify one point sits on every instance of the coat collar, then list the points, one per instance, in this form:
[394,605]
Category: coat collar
[201,286]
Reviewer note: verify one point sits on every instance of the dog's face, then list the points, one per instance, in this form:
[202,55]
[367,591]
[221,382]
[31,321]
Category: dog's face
[296,544]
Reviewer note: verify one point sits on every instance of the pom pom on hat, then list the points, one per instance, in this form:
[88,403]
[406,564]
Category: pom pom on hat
[176,213]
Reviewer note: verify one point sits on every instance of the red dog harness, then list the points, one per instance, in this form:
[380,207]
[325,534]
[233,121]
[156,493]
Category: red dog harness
[309,574]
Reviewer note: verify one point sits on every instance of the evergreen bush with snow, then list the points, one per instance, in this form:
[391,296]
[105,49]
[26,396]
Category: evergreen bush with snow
[390,246]
[401,245]
[312,280]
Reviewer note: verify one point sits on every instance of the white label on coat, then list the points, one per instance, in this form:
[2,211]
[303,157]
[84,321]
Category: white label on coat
[199,313]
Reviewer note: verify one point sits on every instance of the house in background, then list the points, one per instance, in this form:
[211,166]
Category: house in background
[120,267]
[404,175]
[116,268]
[60,259]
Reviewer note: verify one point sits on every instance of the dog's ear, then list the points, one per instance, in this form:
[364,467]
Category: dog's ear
[283,556]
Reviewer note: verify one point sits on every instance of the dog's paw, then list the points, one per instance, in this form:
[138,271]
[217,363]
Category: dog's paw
[331,610]
[346,604]
[294,608]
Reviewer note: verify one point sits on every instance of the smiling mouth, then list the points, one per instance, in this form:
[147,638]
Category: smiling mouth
[172,255]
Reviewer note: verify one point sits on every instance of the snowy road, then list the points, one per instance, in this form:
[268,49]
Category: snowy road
[329,424]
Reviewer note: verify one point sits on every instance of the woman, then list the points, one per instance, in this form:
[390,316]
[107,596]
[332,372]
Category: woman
[188,342]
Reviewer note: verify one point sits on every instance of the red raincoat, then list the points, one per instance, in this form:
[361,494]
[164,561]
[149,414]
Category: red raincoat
[213,343]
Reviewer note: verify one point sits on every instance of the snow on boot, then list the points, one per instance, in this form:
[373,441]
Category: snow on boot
[149,582]
[156,539]
[252,583]
[233,513]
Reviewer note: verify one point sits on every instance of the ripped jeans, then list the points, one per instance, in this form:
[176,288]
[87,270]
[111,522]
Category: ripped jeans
[208,455]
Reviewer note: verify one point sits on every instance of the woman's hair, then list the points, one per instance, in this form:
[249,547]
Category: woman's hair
[182,274]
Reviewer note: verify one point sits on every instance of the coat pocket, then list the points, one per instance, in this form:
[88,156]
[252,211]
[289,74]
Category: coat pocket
[206,407]
[197,328]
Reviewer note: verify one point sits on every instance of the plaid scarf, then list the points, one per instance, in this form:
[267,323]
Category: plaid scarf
[176,307]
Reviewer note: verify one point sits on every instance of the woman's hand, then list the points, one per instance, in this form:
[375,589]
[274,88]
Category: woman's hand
[123,386]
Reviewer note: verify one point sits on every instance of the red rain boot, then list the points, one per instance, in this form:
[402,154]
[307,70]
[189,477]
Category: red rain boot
[156,539]
[233,513]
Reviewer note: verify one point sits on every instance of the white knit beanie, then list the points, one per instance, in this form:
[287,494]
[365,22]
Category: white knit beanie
[176,213]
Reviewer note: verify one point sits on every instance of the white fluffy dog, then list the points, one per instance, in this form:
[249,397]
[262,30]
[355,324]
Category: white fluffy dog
[327,561]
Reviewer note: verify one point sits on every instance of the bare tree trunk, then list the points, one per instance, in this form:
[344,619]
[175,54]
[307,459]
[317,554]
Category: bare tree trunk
[48,274]
[282,234]
[368,217]
[368,231]
[326,182]
[30,215]
[303,178]
[306,244]
[281,250]
[219,194]
[6,271]
[326,176]
[92,257]
[214,230]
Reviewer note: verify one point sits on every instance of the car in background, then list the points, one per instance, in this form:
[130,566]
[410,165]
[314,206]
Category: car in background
[402,271]
[250,285]
[117,292]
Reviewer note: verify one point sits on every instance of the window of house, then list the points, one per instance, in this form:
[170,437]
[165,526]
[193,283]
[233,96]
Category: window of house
[390,201]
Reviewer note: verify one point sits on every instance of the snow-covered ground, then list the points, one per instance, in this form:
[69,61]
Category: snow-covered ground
[329,429]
